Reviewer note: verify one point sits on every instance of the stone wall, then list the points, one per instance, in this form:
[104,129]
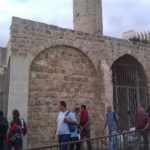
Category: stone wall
[141,52]
[55,54]
[28,38]
[60,73]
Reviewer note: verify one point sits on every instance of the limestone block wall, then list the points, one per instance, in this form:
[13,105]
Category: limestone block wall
[59,73]
[141,52]
[72,57]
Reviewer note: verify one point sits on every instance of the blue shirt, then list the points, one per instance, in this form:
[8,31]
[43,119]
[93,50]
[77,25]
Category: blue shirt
[62,126]
[75,133]
[111,121]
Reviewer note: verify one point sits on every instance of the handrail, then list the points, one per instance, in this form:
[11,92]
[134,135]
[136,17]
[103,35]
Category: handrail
[124,135]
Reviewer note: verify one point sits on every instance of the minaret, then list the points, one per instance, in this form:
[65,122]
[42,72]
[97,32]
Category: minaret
[88,16]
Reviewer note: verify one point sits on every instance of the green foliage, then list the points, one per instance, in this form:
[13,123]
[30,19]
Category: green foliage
[143,38]
[135,39]
[145,41]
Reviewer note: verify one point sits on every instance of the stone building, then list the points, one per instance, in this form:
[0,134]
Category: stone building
[43,64]
[129,34]
[132,35]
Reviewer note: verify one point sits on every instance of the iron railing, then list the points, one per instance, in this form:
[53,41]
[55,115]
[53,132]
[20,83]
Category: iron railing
[129,89]
[123,141]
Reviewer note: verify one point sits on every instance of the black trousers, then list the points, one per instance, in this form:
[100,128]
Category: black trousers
[77,145]
[86,134]
[2,144]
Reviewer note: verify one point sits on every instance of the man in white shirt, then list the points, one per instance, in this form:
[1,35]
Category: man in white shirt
[64,119]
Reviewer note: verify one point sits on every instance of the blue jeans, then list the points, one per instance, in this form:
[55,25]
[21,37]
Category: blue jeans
[113,142]
[63,139]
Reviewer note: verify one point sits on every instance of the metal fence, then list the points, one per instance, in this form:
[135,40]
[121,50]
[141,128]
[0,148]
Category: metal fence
[129,89]
[135,140]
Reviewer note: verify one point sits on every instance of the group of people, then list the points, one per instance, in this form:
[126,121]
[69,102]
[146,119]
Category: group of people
[11,136]
[75,126]
[142,125]
[80,120]
[72,126]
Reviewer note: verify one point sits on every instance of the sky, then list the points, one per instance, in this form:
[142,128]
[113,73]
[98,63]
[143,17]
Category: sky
[118,15]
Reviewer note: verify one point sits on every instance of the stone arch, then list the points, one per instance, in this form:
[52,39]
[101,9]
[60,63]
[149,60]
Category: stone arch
[63,44]
[129,88]
[59,42]
[129,53]
[59,73]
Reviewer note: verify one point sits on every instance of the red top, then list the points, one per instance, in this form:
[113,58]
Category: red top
[142,120]
[84,117]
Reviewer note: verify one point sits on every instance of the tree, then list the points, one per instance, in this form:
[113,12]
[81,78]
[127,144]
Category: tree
[142,37]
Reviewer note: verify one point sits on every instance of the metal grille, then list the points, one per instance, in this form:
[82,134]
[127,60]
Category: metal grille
[129,89]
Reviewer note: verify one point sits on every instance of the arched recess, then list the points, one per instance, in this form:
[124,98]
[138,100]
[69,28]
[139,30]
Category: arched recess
[59,73]
[129,89]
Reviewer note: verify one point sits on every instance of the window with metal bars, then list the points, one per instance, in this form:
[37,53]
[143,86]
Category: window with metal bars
[129,89]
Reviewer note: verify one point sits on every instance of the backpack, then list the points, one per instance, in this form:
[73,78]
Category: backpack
[3,127]
[17,131]
[114,115]
[23,126]
[15,134]
[71,127]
